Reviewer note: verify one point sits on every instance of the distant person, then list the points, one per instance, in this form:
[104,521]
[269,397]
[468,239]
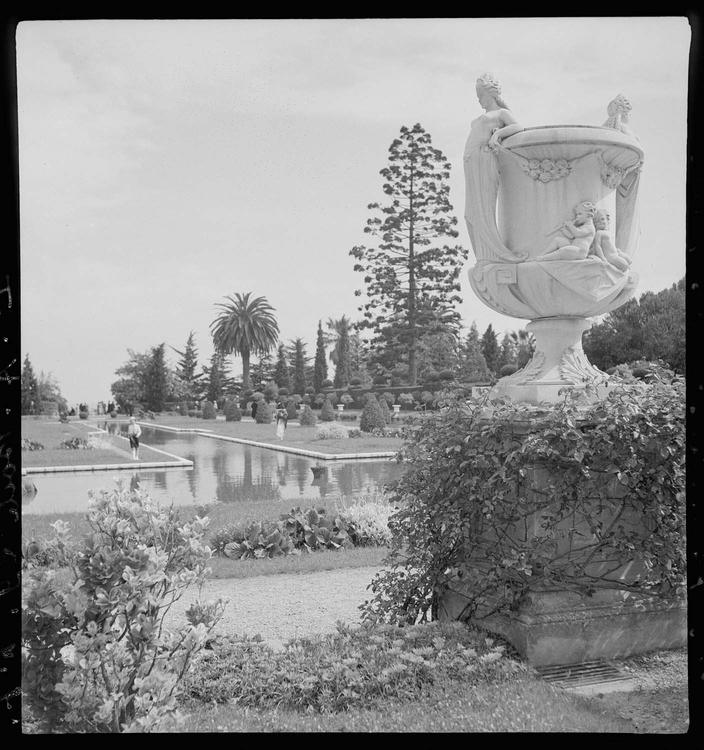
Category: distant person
[281,420]
[254,409]
[133,433]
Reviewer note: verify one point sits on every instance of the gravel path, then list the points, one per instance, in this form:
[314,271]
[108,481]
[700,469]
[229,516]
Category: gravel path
[284,606]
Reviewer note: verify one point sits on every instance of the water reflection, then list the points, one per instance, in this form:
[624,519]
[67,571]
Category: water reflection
[222,471]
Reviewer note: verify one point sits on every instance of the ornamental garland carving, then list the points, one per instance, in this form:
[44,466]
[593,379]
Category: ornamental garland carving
[546,170]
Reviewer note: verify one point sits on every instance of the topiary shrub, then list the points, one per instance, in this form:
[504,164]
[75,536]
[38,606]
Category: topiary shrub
[385,411]
[332,397]
[306,399]
[507,370]
[208,410]
[310,391]
[307,418]
[327,383]
[431,376]
[389,398]
[193,413]
[232,412]
[355,381]
[183,409]
[136,560]
[83,415]
[113,414]
[576,467]
[346,399]
[330,431]
[319,400]
[446,375]
[291,409]
[265,413]
[271,391]
[283,392]
[327,413]
[372,417]
[406,400]
[379,380]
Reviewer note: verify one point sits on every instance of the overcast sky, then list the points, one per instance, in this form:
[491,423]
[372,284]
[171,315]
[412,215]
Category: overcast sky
[166,164]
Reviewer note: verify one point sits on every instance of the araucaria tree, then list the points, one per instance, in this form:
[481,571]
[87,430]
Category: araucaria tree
[490,349]
[244,327]
[412,266]
[187,379]
[320,373]
[156,380]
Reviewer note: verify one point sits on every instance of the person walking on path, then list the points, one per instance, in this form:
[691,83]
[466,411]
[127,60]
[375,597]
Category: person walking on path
[133,433]
[281,420]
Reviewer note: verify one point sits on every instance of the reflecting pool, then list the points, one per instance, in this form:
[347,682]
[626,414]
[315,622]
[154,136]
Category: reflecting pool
[222,471]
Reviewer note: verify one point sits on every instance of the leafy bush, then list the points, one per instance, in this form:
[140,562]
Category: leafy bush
[332,431]
[310,391]
[75,443]
[332,397]
[431,376]
[193,413]
[346,399]
[31,445]
[232,412]
[372,417]
[283,391]
[347,417]
[307,418]
[83,415]
[319,399]
[379,380]
[388,397]
[446,375]
[121,671]
[183,409]
[258,396]
[385,411]
[208,410]
[354,433]
[113,414]
[327,383]
[293,533]
[355,381]
[406,400]
[507,370]
[352,668]
[499,501]
[327,413]
[265,413]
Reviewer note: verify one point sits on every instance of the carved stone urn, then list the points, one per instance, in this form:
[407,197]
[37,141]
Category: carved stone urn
[538,208]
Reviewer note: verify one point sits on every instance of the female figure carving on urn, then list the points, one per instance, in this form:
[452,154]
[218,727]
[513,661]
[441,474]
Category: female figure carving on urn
[618,109]
[603,247]
[481,171]
[577,238]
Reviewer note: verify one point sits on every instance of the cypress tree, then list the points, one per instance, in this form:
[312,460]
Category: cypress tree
[320,372]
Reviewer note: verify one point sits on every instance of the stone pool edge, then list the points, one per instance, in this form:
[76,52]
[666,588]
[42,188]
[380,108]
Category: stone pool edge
[283,448]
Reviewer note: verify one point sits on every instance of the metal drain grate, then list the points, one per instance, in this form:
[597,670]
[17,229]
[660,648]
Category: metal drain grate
[578,675]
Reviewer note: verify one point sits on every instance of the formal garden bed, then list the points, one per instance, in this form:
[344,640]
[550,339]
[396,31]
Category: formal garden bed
[71,444]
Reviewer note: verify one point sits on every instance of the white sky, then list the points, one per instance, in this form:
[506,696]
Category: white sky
[166,164]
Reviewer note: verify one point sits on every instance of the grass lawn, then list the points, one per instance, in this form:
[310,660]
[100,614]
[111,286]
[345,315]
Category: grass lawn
[296,436]
[524,705]
[113,450]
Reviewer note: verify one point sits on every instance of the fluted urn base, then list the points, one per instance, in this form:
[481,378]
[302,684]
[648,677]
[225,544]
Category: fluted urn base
[558,362]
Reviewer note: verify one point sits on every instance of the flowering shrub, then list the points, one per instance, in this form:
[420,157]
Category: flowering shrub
[31,445]
[75,443]
[508,498]
[352,668]
[96,657]
[331,431]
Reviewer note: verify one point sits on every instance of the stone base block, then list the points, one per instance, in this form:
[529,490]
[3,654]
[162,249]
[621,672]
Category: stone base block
[552,628]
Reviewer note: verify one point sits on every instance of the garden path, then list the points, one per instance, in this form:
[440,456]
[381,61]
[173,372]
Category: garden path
[283,606]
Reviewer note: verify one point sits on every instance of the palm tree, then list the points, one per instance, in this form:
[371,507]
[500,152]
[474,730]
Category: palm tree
[245,326]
